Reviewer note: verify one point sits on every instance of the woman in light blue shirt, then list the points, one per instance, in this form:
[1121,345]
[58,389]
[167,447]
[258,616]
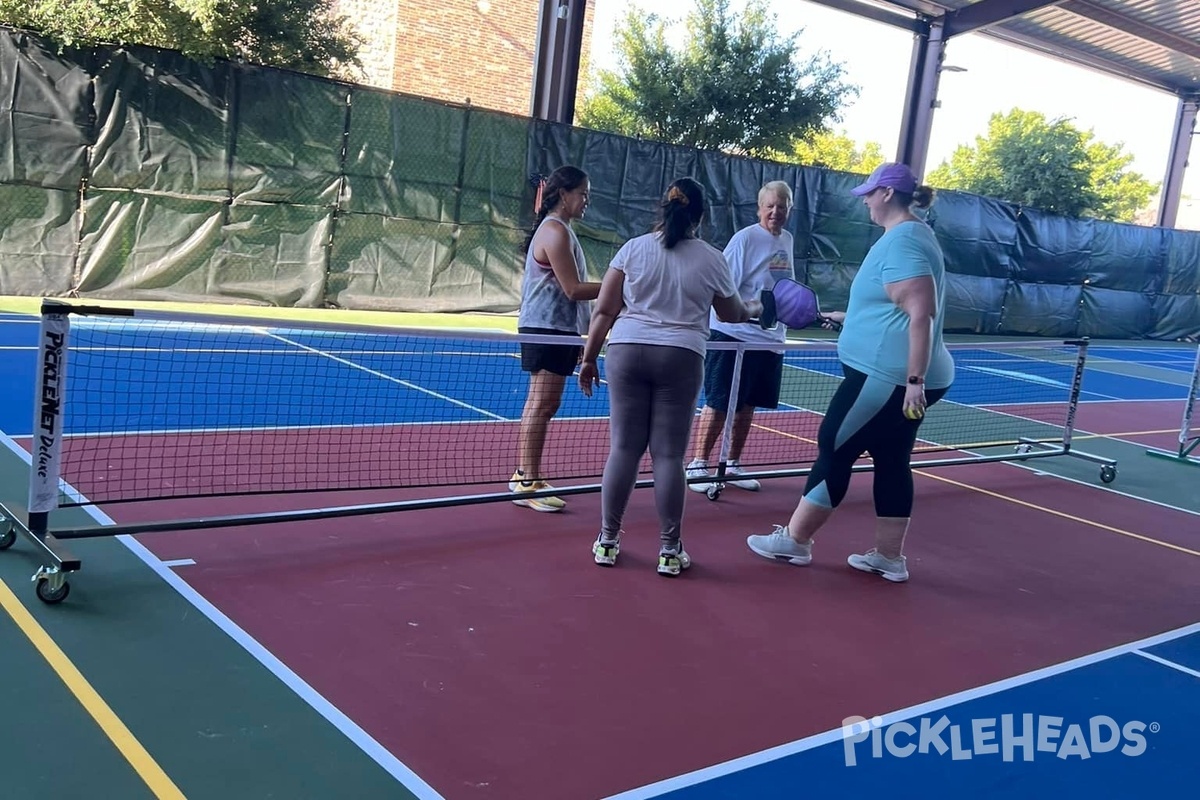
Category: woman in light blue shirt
[895,365]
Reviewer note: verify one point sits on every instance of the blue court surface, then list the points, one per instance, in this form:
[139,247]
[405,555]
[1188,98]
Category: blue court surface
[281,378]
[1176,358]
[1122,723]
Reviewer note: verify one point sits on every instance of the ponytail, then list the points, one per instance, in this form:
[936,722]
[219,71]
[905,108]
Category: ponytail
[681,211]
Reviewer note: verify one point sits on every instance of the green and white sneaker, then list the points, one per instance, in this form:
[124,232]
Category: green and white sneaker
[673,562]
[605,551]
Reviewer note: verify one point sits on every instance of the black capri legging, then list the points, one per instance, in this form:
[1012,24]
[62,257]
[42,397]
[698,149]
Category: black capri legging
[866,415]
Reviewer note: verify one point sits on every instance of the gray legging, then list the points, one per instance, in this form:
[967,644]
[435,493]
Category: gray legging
[652,392]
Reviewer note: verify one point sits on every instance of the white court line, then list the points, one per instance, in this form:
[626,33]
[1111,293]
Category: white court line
[1026,377]
[923,709]
[1014,376]
[1044,470]
[1147,378]
[1083,401]
[180,562]
[365,742]
[1071,367]
[1166,663]
[383,375]
[1163,351]
[1171,364]
[330,426]
[283,428]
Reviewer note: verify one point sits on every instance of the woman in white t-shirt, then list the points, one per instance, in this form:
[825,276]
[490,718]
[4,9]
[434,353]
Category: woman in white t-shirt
[655,300]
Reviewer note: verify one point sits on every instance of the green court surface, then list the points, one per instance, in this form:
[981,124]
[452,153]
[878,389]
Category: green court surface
[212,717]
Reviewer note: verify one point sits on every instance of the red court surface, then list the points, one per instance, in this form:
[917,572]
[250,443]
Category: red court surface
[1153,423]
[121,467]
[483,648]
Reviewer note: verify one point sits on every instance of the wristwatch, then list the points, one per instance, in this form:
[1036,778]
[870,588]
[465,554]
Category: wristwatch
[916,380]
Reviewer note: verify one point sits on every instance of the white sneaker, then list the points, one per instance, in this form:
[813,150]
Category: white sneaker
[673,562]
[890,569]
[732,470]
[698,468]
[780,546]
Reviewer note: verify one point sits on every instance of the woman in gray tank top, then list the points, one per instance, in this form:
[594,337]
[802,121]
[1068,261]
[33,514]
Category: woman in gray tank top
[555,301]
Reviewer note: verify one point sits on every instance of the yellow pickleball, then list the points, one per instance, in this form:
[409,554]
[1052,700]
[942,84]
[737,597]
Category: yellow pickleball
[913,413]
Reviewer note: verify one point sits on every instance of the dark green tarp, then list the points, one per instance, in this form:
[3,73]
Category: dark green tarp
[137,174]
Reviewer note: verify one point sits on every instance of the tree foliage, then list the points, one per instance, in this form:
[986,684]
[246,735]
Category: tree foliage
[733,84]
[1047,164]
[304,35]
[838,151]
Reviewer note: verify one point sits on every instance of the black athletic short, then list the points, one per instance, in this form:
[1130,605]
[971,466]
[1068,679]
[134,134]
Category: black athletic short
[762,374]
[559,359]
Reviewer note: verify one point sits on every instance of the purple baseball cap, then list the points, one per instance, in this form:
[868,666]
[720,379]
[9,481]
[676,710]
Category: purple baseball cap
[893,176]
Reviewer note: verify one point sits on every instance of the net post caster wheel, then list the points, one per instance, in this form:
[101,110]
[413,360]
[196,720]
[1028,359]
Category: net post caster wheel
[1108,473]
[9,535]
[713,492]
[52,586]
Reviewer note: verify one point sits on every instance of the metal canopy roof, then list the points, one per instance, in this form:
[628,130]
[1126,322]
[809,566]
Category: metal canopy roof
[1152,42]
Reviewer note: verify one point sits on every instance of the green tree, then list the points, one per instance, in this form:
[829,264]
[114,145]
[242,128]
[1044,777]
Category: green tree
[1047,164]
[1120,193]
[837,151]
[304,35]
[734,84]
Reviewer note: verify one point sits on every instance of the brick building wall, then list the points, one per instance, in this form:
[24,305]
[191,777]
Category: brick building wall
[455,50]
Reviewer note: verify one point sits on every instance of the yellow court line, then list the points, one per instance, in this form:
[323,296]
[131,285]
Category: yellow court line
[1035,506]
[1119,435]
[1057,513]
[141,761]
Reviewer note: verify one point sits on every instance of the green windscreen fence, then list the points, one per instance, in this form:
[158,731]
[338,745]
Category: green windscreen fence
[137,174]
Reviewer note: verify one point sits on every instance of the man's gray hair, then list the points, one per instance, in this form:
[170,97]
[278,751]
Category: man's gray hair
[777,188]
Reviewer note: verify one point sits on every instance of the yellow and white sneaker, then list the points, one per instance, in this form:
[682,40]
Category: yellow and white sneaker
[543,504]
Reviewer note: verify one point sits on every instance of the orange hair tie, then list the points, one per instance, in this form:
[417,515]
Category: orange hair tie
[677,195]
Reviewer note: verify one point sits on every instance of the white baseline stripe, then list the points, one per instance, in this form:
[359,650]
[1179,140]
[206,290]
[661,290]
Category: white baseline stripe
[180,562]
[923,709]
[375,751]
[1166,663]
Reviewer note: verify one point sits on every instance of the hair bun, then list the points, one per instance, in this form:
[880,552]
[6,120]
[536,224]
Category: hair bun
[676,195]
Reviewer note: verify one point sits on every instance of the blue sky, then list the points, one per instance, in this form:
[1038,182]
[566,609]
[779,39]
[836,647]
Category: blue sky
[999,77]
